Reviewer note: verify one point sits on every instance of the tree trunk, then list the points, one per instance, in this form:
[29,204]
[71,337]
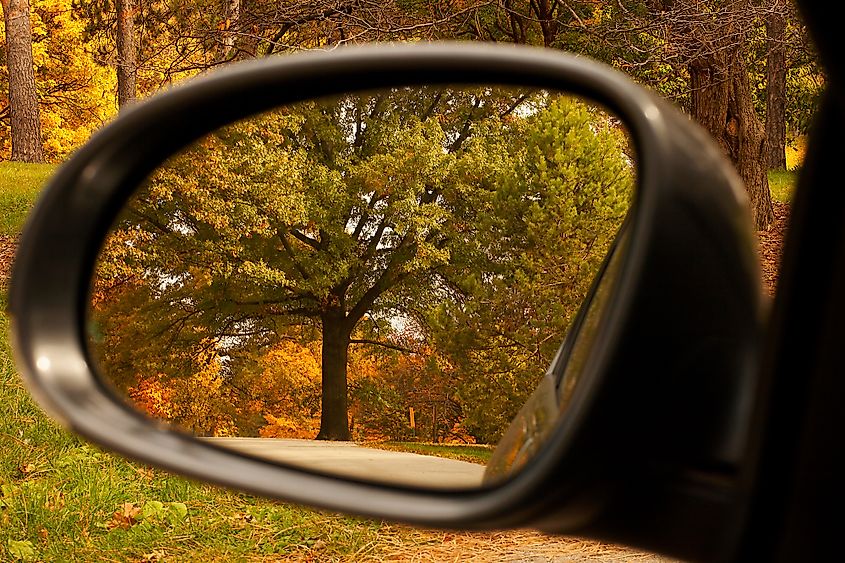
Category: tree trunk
[227,44]
[748,144]
[334,423]
[23,97]
[721,101]
[776,91]
[127,63]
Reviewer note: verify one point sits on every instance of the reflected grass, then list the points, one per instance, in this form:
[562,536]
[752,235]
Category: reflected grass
[474,453]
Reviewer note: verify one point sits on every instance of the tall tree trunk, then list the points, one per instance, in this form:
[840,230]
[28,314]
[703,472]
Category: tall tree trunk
[749,148]
[230,25]
[721,101]
[334,424]
[127,62]
[23,97]
[776,91]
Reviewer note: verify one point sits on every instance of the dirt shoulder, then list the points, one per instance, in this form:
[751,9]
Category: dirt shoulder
[511,546]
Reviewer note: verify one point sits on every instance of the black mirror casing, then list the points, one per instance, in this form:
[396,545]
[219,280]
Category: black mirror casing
[653,447]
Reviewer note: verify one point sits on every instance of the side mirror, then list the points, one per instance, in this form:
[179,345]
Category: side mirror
[652,386]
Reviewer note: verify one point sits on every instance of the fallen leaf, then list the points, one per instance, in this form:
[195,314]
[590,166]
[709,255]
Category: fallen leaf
[154,556]
[55,502]
[144,472]
[177,511]
[319,544]
[124,518]
[27,468]
[242,517]
[21,550]
[152,510]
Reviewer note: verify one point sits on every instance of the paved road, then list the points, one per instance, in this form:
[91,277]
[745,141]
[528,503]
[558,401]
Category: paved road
[351,460]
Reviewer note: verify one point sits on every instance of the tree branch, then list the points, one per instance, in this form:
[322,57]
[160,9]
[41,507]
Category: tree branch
[462,136]
[292,256]
[302,237]
[383,345]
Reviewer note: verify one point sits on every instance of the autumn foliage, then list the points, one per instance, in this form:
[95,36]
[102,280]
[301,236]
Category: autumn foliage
[411,259]
[281,399]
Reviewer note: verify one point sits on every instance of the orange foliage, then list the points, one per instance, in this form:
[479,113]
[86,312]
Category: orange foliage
[206,403]
[458,435]
[362,365]
[288,427]
[199,402]
[151,396]
[286,391]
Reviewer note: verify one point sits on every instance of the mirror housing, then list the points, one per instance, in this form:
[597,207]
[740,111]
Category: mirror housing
[654,442]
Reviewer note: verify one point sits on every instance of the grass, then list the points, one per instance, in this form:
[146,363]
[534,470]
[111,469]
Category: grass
[471,453]
[20,185]
[782,184]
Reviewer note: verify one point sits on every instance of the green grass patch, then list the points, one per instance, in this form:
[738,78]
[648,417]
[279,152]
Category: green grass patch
[20,185]
[782,184]
[471,453]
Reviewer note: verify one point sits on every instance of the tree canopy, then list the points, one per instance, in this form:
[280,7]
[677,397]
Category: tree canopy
[445,235]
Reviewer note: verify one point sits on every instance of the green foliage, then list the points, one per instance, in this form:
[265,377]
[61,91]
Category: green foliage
[398,382]
[474,219]
[557,208]
[382,409]
[804,86]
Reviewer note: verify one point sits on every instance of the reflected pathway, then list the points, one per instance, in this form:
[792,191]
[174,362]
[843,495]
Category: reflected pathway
[352,460]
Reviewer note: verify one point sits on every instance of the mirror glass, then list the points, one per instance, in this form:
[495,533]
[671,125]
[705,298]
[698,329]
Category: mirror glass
[371,285]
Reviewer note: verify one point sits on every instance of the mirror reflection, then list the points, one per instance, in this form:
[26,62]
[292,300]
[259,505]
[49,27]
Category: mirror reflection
[371,285]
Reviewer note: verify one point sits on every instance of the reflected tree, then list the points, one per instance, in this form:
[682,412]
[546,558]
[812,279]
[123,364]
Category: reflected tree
[429,212]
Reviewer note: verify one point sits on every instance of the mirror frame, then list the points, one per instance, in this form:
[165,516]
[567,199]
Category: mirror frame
[687,196]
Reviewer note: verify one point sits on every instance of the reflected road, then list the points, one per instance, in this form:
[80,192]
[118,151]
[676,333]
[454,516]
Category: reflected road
[352,460]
